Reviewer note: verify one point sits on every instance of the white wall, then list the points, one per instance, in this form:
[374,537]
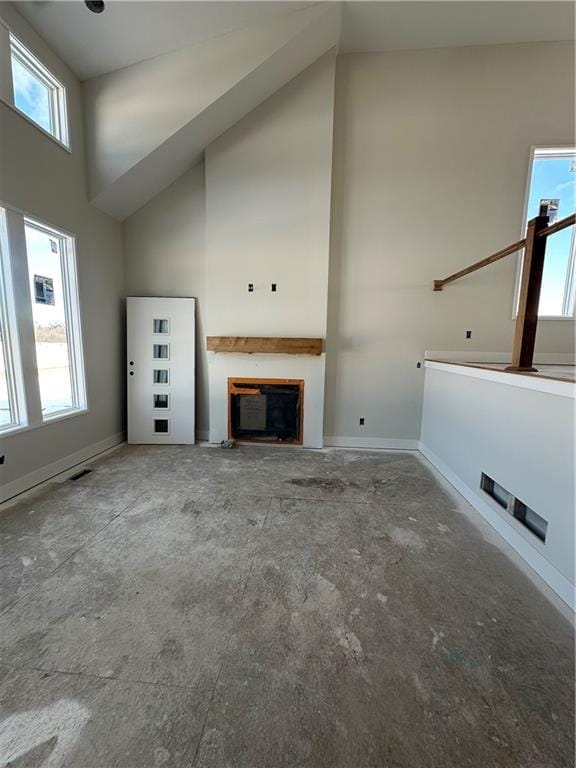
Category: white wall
[478,421]
[464,118]
[431,154]
[268,182]
[268,213]
[165,255]
[41,178]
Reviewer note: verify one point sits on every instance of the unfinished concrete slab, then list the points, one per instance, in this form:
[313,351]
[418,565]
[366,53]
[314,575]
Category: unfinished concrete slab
[271,607]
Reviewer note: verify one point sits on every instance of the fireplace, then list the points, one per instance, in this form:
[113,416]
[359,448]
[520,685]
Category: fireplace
[296,365]
[266,410]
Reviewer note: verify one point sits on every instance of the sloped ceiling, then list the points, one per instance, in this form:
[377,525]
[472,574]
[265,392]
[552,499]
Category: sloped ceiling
[130,32]
[165,79]
[148,123]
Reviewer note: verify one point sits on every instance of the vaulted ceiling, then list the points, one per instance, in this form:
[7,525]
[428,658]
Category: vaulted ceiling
[162,80]
[149,122]
[129,32]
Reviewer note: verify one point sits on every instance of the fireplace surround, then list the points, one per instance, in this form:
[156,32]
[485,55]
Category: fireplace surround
[278,358]
[266,410]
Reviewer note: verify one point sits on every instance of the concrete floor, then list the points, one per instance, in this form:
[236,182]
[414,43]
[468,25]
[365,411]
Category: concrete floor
[267,608]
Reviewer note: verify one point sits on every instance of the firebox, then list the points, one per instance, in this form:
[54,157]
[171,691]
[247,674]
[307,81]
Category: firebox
[266,410]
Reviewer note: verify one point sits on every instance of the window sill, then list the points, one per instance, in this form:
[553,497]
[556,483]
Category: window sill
[69,413]
[39,128]
[62,416]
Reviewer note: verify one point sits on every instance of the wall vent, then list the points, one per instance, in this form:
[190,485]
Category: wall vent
[532,520]
[497,492]
[526,516]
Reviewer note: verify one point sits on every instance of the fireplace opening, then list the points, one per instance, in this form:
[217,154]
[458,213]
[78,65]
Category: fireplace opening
[266,410]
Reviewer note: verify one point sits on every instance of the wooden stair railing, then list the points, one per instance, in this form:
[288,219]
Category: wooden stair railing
[534,244]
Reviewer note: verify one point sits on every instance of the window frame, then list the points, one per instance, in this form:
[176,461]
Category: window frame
[69,269]
[58,102]
[10,343]
[569,299]
[15,262]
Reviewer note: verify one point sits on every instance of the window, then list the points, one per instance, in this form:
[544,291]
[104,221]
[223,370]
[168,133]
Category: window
[553,181]
[161,326]
[160,401]
[160,376]
[160,351]
[41,360]
[37,93]
[51,296]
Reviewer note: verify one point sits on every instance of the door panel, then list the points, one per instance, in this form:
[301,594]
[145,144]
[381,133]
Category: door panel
[160,370]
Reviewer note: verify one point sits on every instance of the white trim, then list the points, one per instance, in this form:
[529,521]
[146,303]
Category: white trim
[6,88]
[556,580]
[9,332]
[14,224]
[522,381]
[53,418]
[558,150]
[18,257]
[542,358]
[59,123]
[72,315]
[31,122]
[569,303]
[520,254]
[49,471]
[396,444]
[37,219]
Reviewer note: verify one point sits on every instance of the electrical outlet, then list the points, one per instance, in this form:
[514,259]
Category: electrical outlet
[274,287]
[250,287]
[362,421]
[468,334]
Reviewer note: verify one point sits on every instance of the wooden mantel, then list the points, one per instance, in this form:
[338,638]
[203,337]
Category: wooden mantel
[275,345]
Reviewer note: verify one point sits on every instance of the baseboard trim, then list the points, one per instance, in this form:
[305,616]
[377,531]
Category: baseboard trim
[555,580]
[382,443]
[49,471]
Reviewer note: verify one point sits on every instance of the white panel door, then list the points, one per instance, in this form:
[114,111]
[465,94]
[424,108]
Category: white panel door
[160,370]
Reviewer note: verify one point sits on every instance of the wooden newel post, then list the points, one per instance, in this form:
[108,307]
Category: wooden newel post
[527,320]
